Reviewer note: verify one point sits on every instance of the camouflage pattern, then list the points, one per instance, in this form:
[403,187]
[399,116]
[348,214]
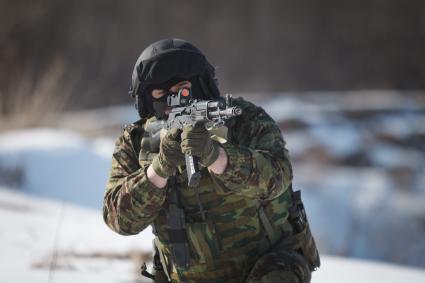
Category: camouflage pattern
[282,264]
[226,246]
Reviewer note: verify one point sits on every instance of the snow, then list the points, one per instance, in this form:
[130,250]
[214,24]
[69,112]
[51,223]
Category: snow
[393,156]
[105,117]
[37,227]
[33,228]
[59,164]
[338,140]
[40,139]
[336,269]
[285,107]
[361,213]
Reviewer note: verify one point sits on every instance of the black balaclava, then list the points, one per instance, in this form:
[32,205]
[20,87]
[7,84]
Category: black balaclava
[159,105]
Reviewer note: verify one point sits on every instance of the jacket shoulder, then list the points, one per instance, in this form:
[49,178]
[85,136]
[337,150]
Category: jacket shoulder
[135,126]
[131,135]
[250,112]
[130,131]
[245,104]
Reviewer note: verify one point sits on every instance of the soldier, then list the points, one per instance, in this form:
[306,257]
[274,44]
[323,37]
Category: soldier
[243,223]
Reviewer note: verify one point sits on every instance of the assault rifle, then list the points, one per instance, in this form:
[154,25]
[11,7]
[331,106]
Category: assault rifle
[187,111]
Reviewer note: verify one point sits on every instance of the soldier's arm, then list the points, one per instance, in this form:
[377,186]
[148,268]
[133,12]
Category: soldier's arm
[131,201]
[220,164]
[258,163]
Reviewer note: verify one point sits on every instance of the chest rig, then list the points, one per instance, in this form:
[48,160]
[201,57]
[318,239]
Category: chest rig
[175,215]
[177,218]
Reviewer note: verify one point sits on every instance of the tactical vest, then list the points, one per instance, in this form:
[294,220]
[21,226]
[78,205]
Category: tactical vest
[235,232]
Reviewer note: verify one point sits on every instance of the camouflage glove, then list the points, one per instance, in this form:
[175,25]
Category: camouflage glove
[170,154]
[196,141]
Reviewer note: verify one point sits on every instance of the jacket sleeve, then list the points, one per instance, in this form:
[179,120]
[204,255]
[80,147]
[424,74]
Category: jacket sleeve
[131,201]
[258,161]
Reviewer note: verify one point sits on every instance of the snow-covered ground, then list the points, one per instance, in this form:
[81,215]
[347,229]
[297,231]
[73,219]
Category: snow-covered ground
[359,162]
[51,241]
[56,163]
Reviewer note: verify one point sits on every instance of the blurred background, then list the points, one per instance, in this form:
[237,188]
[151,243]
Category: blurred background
[344,80]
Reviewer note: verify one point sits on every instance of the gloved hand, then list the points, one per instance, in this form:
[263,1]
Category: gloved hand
[170,154]
[196,141]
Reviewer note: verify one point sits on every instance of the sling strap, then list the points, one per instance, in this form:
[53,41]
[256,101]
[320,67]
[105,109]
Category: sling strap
[176,225]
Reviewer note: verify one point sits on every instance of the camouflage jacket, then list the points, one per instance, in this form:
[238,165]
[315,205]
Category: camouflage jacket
[225,247]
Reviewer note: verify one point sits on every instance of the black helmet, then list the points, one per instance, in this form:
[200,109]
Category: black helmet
[168,61]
